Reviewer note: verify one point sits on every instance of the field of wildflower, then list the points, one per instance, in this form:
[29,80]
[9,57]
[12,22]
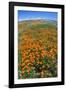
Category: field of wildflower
[37,49]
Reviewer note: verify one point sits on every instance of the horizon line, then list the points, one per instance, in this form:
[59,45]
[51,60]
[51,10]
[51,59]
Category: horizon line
[36,19]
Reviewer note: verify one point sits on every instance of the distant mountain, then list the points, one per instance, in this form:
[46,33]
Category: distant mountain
[39,23]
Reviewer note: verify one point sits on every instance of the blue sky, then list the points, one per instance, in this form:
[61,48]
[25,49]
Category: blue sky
[30,15]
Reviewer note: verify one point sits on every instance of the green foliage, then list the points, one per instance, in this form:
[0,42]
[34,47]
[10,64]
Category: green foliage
[50,67]
[19,56]
[26,74]
[32,73]
[47,48]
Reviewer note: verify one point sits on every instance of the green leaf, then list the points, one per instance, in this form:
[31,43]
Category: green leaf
[31,73]
[19,56]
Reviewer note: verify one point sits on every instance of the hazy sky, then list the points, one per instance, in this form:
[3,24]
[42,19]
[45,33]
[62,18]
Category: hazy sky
[30,15]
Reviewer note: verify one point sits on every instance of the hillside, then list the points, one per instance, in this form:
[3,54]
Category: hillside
[37,49]
[35,24]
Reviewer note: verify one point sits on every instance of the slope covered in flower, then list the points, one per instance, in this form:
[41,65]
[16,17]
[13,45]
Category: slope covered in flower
[37,49]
